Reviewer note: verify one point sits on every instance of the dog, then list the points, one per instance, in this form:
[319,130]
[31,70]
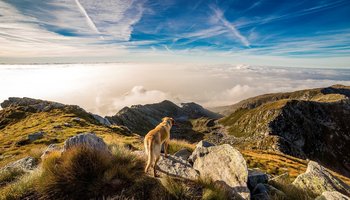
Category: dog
[154,140]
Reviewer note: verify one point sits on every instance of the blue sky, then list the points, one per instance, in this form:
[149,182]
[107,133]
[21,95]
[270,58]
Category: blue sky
[310,33]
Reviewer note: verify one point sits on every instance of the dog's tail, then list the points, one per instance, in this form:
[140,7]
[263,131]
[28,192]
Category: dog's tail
[149,153]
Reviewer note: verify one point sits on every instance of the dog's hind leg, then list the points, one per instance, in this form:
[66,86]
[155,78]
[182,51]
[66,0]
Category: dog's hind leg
[149,151]
[155,165]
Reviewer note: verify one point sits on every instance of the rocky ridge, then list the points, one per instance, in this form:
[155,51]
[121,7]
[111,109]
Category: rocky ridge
[310,124]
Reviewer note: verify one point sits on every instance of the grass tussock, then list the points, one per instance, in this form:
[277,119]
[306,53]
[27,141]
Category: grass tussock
[21,189]
[290,191]
[204,189]
[213,191]
[7,176]
[87,173]
[176,145]
[177,189]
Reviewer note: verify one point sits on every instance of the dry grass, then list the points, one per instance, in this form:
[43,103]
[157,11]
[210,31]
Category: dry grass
[86,173]
[176,145]
[290,191]
[176,188]
[276,164]
[22,188]
[52,123]
[7,176]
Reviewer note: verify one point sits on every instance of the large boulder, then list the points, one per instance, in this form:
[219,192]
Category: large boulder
[176,166]
[223,164]
[318,180]
[332,196]
[200,145]
[25,164]
[89,140]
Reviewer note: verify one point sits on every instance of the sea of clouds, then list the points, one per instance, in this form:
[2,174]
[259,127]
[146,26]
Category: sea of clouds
[106,88]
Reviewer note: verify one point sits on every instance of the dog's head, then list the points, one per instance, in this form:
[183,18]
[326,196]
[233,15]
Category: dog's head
[169,120]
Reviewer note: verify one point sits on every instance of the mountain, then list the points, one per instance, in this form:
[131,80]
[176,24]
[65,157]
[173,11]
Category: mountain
[317,94]
[28,125]
[312,124]
[142,118]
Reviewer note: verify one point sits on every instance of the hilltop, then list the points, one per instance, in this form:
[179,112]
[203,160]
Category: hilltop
[312,124]
[142,118]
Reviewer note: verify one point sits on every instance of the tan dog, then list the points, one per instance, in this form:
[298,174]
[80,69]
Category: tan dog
[154,140]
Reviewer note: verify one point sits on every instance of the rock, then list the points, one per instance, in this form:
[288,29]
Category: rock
[223,164]
[265,192]
[49,149]
[178,167]
[199,146]
[204,143]
[260,192]
[101,120]
[332,196]
[67,124]
[140,154]
[255,177]
[318,180]
[76,119]
[86,139]
[36,136]
[183,154]
[26,164]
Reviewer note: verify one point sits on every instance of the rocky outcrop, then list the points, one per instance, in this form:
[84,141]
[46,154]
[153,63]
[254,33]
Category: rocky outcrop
[332,196]
[318,180]
[176,166]
[89,140]
[225,165]
[102,120]
[25,164]
[34,104]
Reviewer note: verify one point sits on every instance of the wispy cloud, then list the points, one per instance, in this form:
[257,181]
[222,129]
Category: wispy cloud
[219,15]
[88,19]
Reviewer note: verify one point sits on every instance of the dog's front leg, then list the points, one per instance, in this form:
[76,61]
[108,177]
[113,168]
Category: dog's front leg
[166,145]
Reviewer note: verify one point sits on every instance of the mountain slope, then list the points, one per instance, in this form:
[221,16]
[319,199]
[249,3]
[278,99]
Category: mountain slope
[142,118]
[22,117]
[311,124]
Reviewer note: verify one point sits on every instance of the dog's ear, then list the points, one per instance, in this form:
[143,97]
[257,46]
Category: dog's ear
[172,121]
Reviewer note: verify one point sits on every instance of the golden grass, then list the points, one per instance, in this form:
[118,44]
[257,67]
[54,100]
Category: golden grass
[277,163]
[52,123]
[7,176]
[176,145]
[21,188]
[87,173]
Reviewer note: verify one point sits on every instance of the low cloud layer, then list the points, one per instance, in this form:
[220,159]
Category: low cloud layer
[106,88]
